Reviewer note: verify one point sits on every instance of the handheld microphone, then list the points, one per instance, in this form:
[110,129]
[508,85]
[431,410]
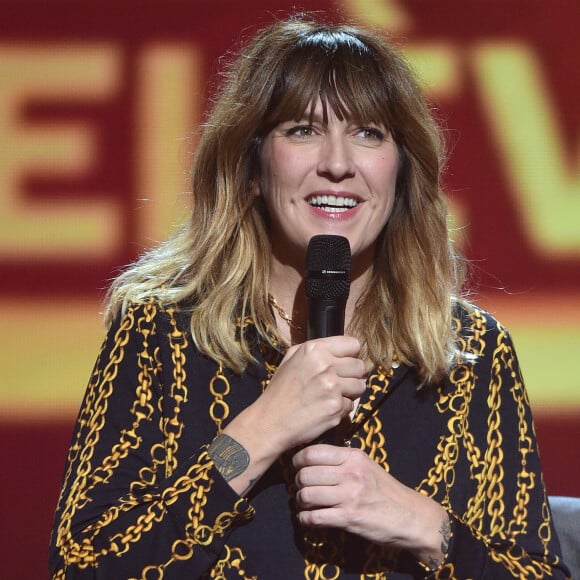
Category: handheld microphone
[327,284]
[328,262]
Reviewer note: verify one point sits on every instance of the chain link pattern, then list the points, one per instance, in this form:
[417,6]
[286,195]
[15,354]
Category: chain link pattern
[485,511]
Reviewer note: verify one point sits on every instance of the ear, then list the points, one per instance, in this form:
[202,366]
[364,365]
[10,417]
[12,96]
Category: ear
[255,187]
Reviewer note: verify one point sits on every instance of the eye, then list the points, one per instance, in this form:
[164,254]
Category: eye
[370,134]
[300,131]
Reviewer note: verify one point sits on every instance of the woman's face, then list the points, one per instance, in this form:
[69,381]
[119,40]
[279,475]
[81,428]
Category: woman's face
[334,178]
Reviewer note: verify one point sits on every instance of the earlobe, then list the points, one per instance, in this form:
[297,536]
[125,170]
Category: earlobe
[255,188]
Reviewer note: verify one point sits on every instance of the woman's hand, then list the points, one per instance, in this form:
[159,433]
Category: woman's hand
[313,389]
[344,488]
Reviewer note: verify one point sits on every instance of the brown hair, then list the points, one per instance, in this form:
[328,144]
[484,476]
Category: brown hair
[219,261]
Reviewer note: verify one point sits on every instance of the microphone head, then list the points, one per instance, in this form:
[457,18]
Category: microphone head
[328,263]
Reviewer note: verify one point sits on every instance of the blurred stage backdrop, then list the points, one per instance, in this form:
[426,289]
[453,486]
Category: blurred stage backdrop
[99,104]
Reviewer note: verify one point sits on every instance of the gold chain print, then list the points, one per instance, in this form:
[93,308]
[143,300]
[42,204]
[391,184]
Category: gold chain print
[94,422]
[372,441]
[480,420]
[172,427]
[219,411]
[219,387]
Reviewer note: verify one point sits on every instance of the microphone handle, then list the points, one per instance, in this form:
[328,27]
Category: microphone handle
[326,318]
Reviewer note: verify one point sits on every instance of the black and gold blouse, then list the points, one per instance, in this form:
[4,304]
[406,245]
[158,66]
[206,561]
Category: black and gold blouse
[142,499]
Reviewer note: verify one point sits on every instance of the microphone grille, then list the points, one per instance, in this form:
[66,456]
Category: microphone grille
[328,263]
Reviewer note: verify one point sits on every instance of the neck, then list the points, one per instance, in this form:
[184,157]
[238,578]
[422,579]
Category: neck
[287,287]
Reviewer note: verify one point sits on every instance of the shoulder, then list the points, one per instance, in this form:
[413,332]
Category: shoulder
[151,335]
[477,329]
[151,317]
[469,317]
[484,344]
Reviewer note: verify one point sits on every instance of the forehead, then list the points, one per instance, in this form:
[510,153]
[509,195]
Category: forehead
[332,87]
[330,104]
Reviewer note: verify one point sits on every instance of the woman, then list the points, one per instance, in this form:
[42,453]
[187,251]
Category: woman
[192,455]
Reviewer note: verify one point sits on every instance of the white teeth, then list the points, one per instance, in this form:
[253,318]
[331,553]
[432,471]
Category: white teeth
[333,202]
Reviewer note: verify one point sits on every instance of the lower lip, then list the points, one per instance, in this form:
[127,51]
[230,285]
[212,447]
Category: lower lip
[334,215]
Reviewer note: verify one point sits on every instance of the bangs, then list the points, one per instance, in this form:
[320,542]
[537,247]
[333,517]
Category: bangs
[337,68]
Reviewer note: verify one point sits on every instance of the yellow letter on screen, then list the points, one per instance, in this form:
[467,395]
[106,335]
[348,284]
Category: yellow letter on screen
[389,14]
[517,103]
[167,111]
[54,228]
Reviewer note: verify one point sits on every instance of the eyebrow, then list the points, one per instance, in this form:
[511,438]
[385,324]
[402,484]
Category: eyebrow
[314,117]
[319,118]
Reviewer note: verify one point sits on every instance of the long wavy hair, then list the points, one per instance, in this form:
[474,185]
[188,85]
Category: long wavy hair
[218,264]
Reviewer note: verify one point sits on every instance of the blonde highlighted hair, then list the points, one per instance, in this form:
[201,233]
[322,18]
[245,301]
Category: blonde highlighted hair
[218,263]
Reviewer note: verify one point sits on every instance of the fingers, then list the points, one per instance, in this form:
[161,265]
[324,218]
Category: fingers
[339,346]
[337,487]
[322,454]
[323,489]
[316,498]
[350,367]
[316,476]
[329,365]
[329,465]
[313,389]
[331,517]
[351,389]
[336,358]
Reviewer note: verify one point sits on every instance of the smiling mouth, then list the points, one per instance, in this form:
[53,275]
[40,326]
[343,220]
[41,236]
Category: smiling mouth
[332,203]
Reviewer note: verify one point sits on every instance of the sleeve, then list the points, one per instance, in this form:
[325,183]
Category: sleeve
[504,530]
[126,509]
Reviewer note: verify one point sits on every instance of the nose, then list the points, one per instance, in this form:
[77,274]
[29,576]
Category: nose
[335,158]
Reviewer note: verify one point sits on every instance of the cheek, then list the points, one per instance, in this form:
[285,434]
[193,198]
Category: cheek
[271,187]
[272,173]
[390,168]
[390,179]
[383,178]
[281,177]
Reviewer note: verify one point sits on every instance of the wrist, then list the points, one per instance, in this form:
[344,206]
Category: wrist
[248,437]
[432,536]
